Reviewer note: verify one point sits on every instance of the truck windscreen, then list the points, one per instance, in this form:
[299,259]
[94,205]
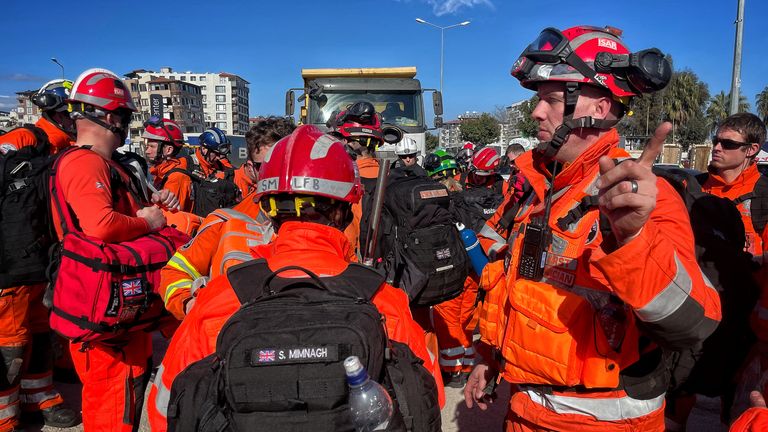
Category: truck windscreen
[400,108]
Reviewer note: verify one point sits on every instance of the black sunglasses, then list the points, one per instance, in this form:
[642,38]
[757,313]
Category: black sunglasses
[729,144]
[408,156]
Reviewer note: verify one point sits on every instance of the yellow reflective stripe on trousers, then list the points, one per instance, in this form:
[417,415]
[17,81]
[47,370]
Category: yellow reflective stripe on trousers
[163,393]
[602,409]
[179,262]
[172,288]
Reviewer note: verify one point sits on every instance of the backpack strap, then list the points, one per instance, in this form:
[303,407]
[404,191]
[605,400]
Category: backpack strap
[42,142]
[758,204]
[57,194]
[586,204]
[254,279]
[508,218]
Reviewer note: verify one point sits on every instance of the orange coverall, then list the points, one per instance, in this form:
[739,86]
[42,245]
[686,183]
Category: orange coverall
[24,332]
[565,339]
[114,372]
[319,248]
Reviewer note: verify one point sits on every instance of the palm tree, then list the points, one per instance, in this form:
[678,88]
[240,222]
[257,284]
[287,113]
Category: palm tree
[685,98]
[762,104]
[717,109]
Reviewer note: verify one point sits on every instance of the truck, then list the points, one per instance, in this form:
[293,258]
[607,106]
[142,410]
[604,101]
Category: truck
[394,91]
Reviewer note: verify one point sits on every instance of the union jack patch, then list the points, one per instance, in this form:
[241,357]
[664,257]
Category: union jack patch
[266,356]
[132,287]
[442,254]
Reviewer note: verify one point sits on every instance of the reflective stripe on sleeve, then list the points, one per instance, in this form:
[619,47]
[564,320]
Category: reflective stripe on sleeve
[179,262]
[9,412]
[762,313]
[602,409]
[669,300]
[172,288]
[9,399]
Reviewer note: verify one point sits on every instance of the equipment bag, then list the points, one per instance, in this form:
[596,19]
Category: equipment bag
[209,192]
[101,289]
[26,233]
[475,205]
[278,364]
[425,254]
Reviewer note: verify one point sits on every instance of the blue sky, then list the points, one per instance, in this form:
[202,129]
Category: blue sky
[268,42]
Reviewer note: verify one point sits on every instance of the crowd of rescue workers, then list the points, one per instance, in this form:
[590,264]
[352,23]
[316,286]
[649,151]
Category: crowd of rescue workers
[608,292]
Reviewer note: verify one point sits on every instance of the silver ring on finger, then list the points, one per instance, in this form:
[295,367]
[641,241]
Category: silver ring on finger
[635,187]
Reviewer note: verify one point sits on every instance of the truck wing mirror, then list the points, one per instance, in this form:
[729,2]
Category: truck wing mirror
[437,103]
[289,104]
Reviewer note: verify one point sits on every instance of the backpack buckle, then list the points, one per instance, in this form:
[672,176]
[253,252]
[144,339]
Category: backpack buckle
[17,185]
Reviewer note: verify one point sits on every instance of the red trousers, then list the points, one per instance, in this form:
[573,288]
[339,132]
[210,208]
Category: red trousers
[453,323]
[114,376]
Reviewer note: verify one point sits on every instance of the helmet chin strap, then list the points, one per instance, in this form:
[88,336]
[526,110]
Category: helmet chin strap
[548,149]
[120,131]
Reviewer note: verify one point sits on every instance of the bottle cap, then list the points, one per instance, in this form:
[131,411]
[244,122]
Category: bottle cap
[352,365]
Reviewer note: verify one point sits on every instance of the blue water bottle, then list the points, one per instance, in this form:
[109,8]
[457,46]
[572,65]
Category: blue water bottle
[474,250]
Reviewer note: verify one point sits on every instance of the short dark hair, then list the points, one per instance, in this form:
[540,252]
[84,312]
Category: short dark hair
[266,132]
[746,124]
[515,148]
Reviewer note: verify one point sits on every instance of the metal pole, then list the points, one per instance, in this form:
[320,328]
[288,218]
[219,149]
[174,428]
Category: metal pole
[736,78]
[442,51]
[369,256]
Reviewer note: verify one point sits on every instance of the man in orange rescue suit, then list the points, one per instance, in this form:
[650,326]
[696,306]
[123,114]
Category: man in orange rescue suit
[25,335]
[226,235]
[114,372]
[310,226]
[578,307]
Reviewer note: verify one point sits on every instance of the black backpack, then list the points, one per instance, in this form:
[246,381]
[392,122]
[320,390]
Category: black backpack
[719,238]
[424,254]
[475,205]
[26,232]
[209,192]
[278,364]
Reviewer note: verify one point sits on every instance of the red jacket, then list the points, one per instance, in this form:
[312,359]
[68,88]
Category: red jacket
[319,248]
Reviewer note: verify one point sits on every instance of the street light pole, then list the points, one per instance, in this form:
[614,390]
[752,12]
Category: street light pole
[53,59]
[736,78]
[442,42]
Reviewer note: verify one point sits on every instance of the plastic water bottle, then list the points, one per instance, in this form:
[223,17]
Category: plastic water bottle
[369,402]
[474,250]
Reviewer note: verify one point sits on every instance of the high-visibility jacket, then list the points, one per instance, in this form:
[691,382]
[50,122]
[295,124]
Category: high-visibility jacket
[580,325]
[160,171]
[318,248]
[223,240]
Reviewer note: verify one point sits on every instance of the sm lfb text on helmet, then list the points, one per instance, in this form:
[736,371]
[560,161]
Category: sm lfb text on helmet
[330,188]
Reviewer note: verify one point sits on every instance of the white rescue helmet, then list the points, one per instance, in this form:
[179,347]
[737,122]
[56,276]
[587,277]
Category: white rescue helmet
[406,146]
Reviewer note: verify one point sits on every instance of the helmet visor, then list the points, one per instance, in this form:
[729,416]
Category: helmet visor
[550,47]
[154,121]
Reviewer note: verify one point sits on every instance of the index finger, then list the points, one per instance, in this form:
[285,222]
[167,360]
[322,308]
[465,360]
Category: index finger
[655,145]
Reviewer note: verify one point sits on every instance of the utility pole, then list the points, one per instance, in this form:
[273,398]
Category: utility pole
[736,78]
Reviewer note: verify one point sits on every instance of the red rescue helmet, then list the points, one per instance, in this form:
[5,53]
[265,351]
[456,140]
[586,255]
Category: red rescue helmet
[360,122]
[101,89]
[163,130]
[309,162]
[485,161]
